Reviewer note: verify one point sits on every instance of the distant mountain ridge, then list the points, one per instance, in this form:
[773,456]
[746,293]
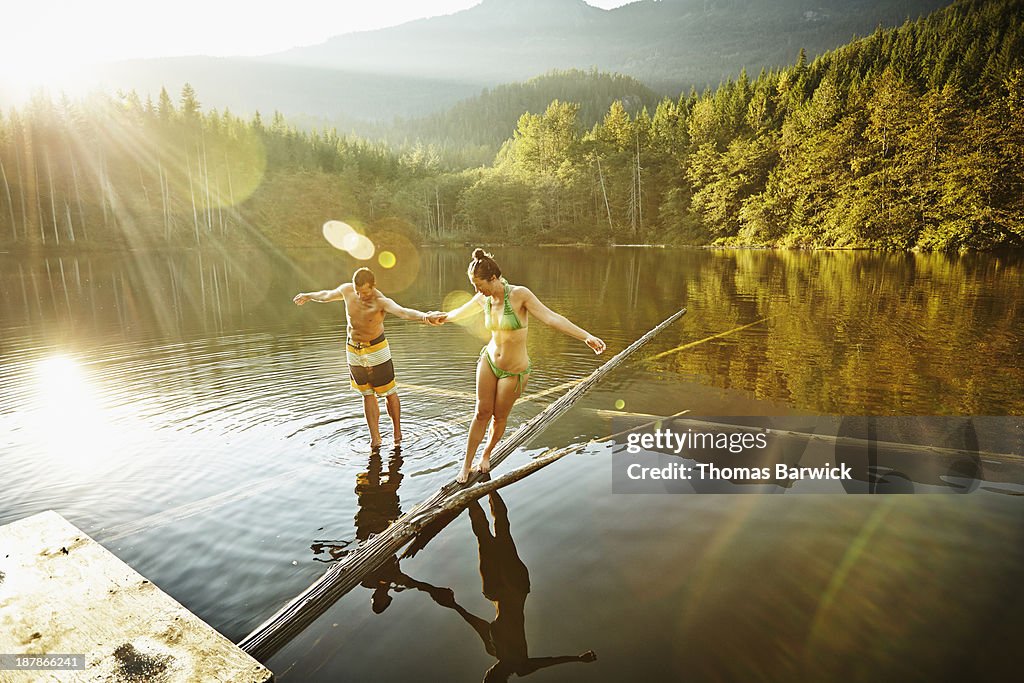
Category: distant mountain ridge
[425,66]
[668,44]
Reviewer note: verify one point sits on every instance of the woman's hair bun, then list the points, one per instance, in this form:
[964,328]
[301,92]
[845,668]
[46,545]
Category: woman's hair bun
[483,265]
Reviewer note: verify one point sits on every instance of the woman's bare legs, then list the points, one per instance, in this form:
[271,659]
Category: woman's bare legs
[486,386]
[506,393]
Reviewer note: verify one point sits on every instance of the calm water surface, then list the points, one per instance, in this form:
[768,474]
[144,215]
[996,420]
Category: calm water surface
[181,410]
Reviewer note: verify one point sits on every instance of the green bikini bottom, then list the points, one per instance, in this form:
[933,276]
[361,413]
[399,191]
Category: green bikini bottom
[501,374]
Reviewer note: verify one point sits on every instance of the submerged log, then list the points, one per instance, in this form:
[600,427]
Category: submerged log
[341,578]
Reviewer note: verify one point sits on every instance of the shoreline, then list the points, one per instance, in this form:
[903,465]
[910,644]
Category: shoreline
[100,249]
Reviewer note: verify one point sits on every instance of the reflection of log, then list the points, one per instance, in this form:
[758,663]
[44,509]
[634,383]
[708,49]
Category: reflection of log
[291,619]
[847,441]
[714,336]
[879,462]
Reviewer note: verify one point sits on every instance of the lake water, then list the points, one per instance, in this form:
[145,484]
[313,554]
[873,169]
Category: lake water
[182,411]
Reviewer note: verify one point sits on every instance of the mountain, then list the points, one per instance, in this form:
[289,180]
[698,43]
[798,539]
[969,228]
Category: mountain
[424,66]
[314,94]
[669,44]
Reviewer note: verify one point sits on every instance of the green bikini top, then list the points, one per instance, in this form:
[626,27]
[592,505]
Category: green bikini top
[508,320]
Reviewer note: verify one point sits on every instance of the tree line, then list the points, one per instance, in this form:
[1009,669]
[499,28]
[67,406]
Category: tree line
[908,138]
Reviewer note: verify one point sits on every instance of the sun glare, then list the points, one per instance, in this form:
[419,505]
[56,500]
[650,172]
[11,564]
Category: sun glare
[40,53]
[69,420]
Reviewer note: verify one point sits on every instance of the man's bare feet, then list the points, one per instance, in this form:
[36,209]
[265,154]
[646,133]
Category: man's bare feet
[375,445]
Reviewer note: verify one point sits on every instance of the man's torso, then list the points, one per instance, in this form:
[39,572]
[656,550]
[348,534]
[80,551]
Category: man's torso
[365,319]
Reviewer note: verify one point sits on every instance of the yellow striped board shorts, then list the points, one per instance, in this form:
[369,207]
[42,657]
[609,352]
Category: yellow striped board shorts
[370,368]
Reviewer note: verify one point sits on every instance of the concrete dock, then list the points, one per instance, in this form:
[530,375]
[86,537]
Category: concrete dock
[61,593]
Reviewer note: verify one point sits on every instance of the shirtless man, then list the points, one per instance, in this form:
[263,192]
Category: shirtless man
[369,357]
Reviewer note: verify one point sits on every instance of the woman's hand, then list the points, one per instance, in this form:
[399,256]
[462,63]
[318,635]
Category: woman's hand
[595,343]
[436,318]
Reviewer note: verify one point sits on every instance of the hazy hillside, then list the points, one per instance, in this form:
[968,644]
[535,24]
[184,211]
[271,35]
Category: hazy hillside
[470,132]
[313,93]
[425,66]
[670,45]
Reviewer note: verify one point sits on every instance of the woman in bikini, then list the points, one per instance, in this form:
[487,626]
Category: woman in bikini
[504,366]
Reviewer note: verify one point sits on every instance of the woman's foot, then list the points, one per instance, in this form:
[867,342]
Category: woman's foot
[485,463]
[463,476]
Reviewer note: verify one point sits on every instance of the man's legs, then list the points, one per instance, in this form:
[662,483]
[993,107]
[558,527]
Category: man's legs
[394,407]
[372,411]
[376,376]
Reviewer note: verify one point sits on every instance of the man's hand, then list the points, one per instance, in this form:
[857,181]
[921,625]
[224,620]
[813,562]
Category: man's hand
[436,318]
[301,298]
[595,343]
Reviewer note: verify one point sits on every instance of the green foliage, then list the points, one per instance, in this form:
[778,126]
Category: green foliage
[472,131]
[911,138]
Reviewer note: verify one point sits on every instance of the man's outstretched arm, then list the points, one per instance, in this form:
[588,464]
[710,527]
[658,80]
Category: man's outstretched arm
[322,297]
[410,313]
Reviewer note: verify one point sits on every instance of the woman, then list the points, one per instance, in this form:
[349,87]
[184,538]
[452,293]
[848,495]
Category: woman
[504,367]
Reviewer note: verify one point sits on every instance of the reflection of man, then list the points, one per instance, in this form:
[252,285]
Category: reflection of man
[377,495]
[379,505]
[506,582]
[369,356]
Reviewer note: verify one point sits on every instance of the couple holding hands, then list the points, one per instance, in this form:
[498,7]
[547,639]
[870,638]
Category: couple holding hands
[501,372]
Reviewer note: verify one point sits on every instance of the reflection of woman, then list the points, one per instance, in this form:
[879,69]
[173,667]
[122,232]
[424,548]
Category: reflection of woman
[504,367]
[506,582]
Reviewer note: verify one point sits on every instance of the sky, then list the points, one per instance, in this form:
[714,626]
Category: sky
[51,38]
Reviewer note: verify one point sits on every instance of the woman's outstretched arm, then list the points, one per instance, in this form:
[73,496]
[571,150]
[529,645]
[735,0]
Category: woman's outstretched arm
[558,321]
[466,310]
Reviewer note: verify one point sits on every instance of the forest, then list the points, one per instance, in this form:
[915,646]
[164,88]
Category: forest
[909,138]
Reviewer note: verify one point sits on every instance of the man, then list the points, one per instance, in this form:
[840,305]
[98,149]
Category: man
[369,357]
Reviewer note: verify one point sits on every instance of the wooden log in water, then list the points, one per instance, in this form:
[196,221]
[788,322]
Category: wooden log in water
[838,440]
[878,462]
[459,500]
[342,577]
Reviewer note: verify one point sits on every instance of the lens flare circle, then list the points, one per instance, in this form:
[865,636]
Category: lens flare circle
[335,233]
[362,248]
[399,257]
[455,299]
